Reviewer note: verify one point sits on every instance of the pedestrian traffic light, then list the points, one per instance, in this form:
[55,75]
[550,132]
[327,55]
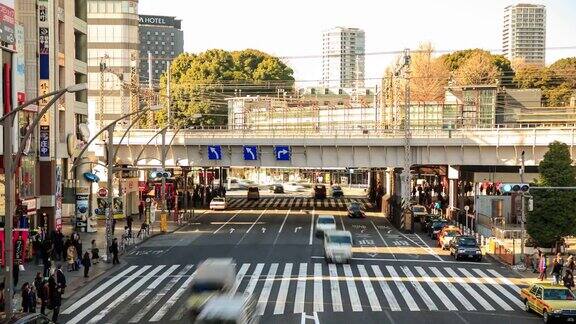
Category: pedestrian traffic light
[506,188]
[159,174]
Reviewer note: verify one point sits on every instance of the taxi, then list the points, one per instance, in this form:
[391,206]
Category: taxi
[446,235]
[553,302]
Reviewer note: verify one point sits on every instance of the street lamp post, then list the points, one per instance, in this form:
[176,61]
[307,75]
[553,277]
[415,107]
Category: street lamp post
[111,157]
[9,162]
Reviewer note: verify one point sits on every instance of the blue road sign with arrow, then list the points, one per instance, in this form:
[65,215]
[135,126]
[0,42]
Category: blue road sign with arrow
[214,152]
[282,153]
[250,152]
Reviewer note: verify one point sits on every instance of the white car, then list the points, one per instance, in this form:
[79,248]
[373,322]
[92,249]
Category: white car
[338,246]
[419,212]
[293,187]
[325,223]
[218,203]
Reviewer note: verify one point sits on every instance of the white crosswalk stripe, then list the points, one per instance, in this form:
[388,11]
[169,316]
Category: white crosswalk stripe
[296,202]
[158,293]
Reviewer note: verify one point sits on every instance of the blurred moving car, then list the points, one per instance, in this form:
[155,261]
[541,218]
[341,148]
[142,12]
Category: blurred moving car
[337,246]
[293,187]
[436,227]
[446,235]
[325,223]
[319,191]
[235,309]
[554,303]
[213,277]
[465,247]
[419,213]
[355,210]
[277,188]
[337,192]
[253,193]
[218,203]
[428,220]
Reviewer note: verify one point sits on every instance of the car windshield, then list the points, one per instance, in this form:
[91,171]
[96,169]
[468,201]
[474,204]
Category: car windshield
[325,220]
[218,200]
[252,189]
[467,242]
[336,188]
[438,225]
[419,209]
[355,206]
[340,239]
[451,233]
[558,294]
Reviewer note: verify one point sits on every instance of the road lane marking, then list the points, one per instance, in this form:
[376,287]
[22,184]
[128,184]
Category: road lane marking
[313,317]
[98,290]
[500,288]
[172,300]
[300,298]
[383,240]
[265,293]
[284,202]
[335,289]
[342,221]
[277,202]
[284,221]
[402,288]
[318,293]
[254,279]
[256,221]
[419,289]
[225,223]
[311,228]
[283,292]
[159,295]
[270,202]
[467,304]
[332,204]
[340,204]
[408,260]
[486,290]
[427,248]
[370,292]
[118,300]
[352,291]
[441,295]
[386,289]
[475,295]
[504,280]
[106,297]
[239,276]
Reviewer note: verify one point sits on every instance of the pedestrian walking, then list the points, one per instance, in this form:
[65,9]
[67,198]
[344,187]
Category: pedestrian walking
[570,265]
[2,296]
[32,299]
[71,258]
[542,264]
[557,268]
[140,210]
[113,225]
[25,291]
[95,251]
[55,298]
[38,281]
[44,295]
[568,280]
[534,260]
[129,224]
[60,279]
[15,274]
[86,263]
[114,251]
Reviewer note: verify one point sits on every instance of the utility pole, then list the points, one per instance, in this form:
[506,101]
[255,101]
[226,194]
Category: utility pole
[523,217]
[168,93]
[150,89]
[101,110]
[134,87]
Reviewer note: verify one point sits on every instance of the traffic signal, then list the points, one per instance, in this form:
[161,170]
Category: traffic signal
[507,188]
[159,175]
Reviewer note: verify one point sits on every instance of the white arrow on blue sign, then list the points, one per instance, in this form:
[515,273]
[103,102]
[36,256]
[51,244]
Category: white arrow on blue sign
[214,152]
[250,152]
[282,153]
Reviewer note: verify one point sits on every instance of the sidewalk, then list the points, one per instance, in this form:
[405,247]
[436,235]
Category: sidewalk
[75,279]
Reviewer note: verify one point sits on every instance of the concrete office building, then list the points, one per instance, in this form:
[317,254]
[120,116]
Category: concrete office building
[112,47]
[55,56]
[343,58]
[524,33]
[163,37]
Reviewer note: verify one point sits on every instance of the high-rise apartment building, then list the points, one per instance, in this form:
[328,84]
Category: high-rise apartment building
[54,34]
[343,57]
[113,57]
[162,36]
[524,33]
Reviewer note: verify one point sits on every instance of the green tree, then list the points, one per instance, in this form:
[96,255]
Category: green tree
[201,83]
[553,217]
[477,66]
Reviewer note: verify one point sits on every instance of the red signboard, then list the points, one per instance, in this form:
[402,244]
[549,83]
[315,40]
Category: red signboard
[19,241]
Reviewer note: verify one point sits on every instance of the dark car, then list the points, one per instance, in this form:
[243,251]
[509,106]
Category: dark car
[26,318]
[436,227]
[355,210]
[319,191]
[253,193]
[427,223]
[337,192]
[277,188]
[465,247]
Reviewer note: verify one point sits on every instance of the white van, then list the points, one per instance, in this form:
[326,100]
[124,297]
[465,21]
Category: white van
[338,246]
[237,309]
[213,277]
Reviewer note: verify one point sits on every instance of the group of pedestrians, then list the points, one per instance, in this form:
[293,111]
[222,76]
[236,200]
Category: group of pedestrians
[562,271]
[46,292]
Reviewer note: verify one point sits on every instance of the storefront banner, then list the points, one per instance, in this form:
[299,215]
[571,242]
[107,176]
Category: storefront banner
[19,243]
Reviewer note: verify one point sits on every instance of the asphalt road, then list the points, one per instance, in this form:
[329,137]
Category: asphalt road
[393,278]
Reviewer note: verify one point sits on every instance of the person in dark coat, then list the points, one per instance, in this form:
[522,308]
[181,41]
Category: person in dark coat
[60,279]
[44,295]
[114,251]
[15,274]
[55,298]
[129,224]
[86,262]
[25,297]
[32,299]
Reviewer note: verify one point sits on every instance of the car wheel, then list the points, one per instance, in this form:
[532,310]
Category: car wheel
[527,306]
[456,257]
[545,317]
[479,259]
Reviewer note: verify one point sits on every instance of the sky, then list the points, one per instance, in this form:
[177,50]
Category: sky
[294,28]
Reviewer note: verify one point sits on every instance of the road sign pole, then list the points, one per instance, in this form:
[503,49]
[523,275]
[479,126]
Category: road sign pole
[110,211]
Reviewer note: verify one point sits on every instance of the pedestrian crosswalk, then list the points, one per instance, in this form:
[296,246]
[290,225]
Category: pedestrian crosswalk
[296,202]
[157,293]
